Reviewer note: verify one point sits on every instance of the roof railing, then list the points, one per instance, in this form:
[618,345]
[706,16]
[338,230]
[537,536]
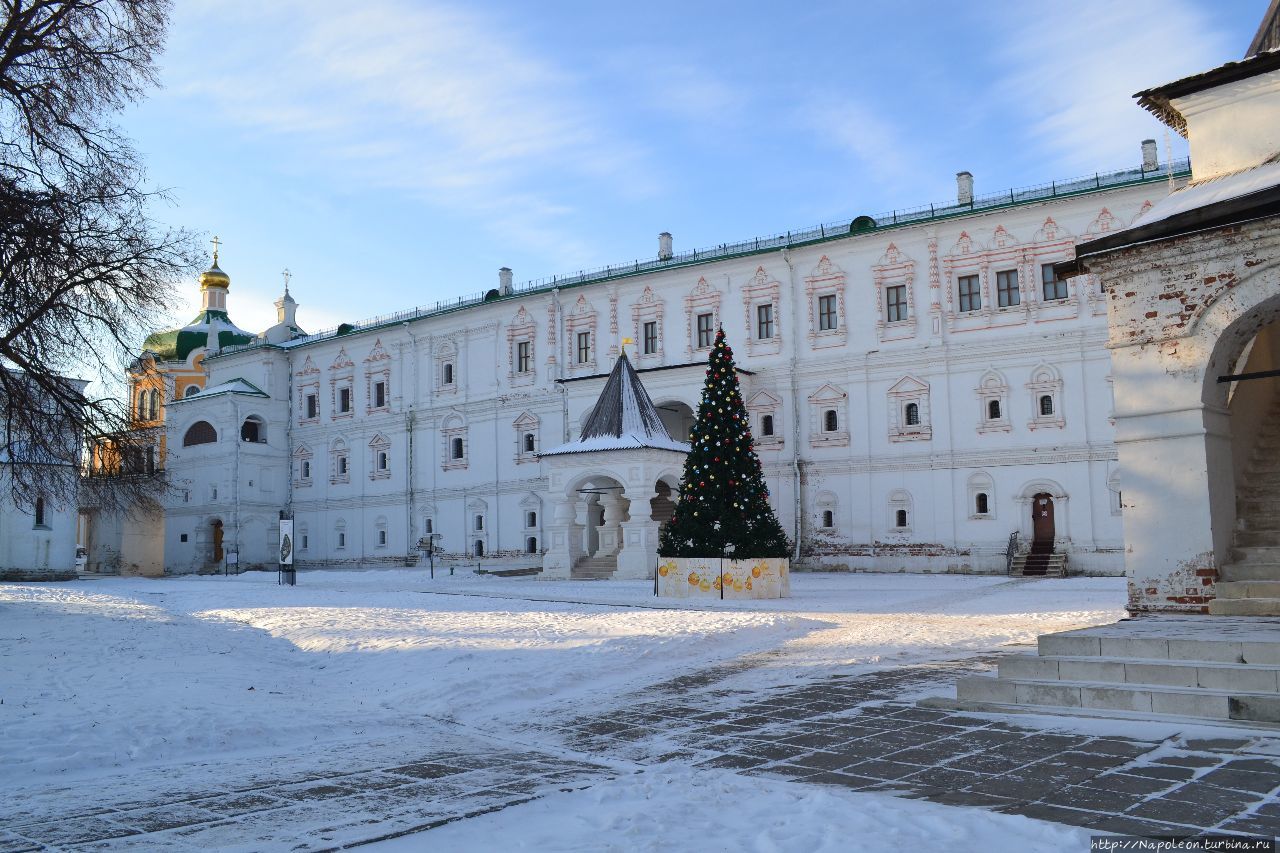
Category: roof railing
[815,234]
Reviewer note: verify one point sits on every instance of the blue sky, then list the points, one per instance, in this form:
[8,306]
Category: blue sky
[391,153]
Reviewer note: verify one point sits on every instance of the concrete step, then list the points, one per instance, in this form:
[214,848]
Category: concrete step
[1244,607]
[1260,647]
[1249,589]
[1256,554]
[1243,571]
[1184,702]
[1252,538]
[1249,678]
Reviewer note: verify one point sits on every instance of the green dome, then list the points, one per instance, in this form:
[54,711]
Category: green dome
[212,329]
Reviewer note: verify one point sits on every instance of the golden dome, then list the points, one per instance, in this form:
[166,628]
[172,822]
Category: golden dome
[214,276]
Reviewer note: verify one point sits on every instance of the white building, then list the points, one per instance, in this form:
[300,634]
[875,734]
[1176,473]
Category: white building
[917,384]
[38,532]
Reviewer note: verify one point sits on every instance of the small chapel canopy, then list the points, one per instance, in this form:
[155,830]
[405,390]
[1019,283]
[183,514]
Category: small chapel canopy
[624,418]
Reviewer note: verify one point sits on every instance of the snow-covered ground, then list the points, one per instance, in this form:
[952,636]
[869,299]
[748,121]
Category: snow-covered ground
[678,809]
[113,675]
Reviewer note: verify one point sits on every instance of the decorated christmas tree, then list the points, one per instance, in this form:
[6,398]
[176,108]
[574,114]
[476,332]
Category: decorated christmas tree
[724,502]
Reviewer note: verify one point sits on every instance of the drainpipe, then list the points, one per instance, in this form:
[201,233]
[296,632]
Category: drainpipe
[798,525]
[560,344]
[235,485]
[410,421]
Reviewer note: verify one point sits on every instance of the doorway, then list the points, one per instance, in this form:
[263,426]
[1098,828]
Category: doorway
[217,542]
[1042,519]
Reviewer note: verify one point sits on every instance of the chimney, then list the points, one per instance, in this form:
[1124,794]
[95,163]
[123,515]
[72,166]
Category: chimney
[504,281]
[664,246]
[964,188]
[1150,162]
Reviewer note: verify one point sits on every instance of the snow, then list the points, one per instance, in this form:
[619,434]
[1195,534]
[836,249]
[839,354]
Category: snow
[674,808]
[1204,193]
[126,675]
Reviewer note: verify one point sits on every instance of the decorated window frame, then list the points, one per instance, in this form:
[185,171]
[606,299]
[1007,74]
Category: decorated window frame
[342,378]
[981,484]
[901,518]
[992,388]
[379,458]
[825,399]
[826,279]
[649,308]
[894,269]
[703,299]
[454,427]
[526,426]
[905,393]
[765,405]
[762,290]
[446,367]
[583,318]
[1046,382]
[522,333]
[304,471]
[339,462]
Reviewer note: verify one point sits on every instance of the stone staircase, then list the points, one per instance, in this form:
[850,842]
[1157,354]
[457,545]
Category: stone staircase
[1211,668]
[594,568]
[1039,565]
[1250,584]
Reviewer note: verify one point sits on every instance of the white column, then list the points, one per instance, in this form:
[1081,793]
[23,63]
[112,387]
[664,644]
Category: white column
[639,536]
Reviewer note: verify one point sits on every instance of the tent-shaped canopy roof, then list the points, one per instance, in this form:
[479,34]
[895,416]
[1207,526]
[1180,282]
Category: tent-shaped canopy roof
[624,418]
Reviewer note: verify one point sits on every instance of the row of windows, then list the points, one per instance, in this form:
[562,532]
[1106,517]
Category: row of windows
[1008,294]
[981,507]
[343,404]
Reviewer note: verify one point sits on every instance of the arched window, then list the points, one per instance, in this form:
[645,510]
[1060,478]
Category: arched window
[39,512]
[531,545]
[153,405]
[830,421]
[901,518]
[447,378]
[981,505]
[191,391]
[766,424]
[456,448]
[993,410]
[1046,404]
[478,549]
[479,521]
[913,419]
[200,432]
[253,430]
[531,518]
[828,518]
[528,442]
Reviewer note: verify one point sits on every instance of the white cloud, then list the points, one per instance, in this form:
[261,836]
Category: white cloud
[434,102]
[1077,65]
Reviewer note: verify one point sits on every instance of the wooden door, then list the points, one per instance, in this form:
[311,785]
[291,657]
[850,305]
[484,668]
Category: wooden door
[217,542]
[1042,518]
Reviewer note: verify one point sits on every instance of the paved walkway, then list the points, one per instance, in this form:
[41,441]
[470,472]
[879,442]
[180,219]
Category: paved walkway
[858,731]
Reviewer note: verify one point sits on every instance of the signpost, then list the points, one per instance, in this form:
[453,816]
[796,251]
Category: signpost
[288,575]
[428,543]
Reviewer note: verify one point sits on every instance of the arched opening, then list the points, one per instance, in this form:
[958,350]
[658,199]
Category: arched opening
[677,417]
[191,391]
[530,443]
[1248,352]
[828,518]
[981,504]
[830,421]
[40,520]
[993,410]
[900,518]
[254,430]
[662,506]
[913,414]
[1046,405]
[200,432]
[766,425]
[531,545]
[456,449]
[477,550]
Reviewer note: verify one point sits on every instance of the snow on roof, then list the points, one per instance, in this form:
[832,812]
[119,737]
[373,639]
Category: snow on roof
[231,386]
[1212,191]
[624,418]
